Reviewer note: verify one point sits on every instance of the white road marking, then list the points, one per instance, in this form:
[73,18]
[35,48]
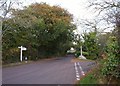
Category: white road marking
[76,70]
[81,69]
[78,78]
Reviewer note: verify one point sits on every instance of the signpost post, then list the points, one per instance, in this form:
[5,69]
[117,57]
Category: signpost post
[21,49]
[81,56]
[81,50]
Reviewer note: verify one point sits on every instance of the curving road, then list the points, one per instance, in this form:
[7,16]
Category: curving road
[55,71]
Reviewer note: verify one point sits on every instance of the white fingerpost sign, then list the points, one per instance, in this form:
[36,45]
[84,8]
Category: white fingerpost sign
[21,49]
[81,55]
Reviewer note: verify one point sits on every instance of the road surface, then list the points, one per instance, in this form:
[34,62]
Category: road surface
[55,71]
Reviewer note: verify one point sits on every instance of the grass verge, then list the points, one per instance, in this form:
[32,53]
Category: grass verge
[95,77]
[81,60]
[89,79]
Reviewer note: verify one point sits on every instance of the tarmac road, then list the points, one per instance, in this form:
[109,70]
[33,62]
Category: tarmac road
[55,71]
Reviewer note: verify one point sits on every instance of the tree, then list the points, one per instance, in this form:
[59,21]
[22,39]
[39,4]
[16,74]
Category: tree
[45,30]
[91,25]
[111,67]
[110,11]
[90,45]
[6,7]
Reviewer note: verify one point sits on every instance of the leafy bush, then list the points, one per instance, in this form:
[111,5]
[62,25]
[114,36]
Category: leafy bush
[111,65]
[90,45]
[11,55]
[77,53]
[85,53]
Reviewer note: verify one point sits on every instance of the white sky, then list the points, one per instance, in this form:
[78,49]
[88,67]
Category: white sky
[75,7]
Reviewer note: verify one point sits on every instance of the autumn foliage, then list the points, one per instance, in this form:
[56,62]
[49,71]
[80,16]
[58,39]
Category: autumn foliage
[45,30]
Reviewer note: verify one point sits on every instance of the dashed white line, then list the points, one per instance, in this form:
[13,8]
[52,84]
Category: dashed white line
[78,78]
[81,69]
[76,70]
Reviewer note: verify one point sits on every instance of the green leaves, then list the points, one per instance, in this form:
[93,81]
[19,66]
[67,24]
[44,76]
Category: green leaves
[45,31]
[90,45]
[111,65]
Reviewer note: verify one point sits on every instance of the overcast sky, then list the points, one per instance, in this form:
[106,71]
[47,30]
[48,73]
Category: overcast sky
[75,7]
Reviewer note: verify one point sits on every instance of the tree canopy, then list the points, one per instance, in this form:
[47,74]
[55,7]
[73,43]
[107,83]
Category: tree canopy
[45,30]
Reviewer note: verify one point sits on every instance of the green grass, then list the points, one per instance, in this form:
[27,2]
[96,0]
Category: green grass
[95,77]
[89,79]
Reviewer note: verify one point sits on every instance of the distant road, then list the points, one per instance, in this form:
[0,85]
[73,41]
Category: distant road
[55,71]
